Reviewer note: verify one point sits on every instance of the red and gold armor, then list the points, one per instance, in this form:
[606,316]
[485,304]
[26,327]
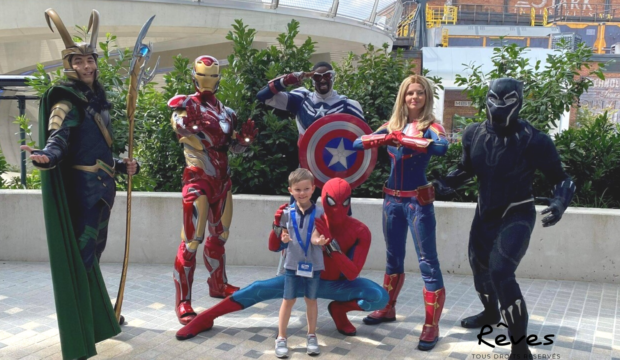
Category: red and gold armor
[206,128]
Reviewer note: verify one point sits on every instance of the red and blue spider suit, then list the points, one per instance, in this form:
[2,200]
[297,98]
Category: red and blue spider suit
[408,204]
[206,128]
[344,259]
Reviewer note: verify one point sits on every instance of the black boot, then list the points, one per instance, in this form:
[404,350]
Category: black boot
[489,316]
[516,317]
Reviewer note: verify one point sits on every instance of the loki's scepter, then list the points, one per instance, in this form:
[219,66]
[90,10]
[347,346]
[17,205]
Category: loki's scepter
[137,77]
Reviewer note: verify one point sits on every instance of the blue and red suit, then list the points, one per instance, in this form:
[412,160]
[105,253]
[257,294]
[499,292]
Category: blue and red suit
[308,106]
[344,258]
[408,204]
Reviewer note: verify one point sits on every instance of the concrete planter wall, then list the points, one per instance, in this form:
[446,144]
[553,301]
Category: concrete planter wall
[583,246]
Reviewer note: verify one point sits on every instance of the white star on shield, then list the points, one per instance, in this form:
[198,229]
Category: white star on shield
[339,154]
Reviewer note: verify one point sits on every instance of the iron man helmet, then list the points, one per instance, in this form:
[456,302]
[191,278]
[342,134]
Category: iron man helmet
[206,74]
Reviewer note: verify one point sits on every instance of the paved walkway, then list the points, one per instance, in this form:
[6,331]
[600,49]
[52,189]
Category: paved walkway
[584,317]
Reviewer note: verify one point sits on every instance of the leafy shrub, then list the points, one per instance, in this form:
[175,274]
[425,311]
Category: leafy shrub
[264,167]
[591,156]
[4,168]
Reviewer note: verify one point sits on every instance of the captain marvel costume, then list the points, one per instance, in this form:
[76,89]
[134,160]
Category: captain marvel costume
[206,128]
[344,258]
[408,205]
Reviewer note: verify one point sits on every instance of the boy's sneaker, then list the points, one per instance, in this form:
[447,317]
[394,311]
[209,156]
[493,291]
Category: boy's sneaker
[281,347]
[312,345]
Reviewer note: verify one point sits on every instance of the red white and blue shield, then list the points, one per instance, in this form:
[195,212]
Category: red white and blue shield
[326,149]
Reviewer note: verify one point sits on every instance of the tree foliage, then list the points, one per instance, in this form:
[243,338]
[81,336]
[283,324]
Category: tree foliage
[264,167]
[548,91]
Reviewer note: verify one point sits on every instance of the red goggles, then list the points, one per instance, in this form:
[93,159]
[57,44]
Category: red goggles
[328,75]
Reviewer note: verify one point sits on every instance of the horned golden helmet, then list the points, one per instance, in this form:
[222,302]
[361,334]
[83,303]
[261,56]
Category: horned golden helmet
[71,48]
[206,74]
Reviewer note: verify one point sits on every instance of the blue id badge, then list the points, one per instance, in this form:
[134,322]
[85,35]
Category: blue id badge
[304,269]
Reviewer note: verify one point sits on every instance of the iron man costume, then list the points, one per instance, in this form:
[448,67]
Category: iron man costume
[205,127]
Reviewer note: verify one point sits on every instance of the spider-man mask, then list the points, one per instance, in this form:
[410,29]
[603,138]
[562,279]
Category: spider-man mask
[336,198]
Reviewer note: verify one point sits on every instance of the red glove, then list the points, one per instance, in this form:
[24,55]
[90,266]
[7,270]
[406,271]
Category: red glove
[294,78]
[278,215]
[322,228]
[193,120]
[394,138]
[248,133]
[276,232]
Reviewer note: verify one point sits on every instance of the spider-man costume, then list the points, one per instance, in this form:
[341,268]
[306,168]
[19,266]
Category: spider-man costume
[344,258]
[205,127]
[408,204]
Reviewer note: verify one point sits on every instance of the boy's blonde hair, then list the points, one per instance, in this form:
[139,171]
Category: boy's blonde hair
[299,175]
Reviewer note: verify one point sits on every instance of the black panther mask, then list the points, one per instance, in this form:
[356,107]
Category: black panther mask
[504,101]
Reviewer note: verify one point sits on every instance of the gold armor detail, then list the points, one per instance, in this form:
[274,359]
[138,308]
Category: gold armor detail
[227,215]
[192,141]
[71,48]
[100,165]
[103,129]
[58,114]
[206,77]
[202,209]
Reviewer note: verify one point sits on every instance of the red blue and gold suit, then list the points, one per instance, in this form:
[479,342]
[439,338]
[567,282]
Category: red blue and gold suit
[408,204]
[206,128]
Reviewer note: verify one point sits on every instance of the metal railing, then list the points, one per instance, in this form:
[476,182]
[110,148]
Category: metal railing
[437,15]
[473,14]
[381,14]
[583,13]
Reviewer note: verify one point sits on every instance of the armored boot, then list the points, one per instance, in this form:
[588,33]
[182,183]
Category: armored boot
[433,303]
[516,317]
[215,261]
[184,266]
[338,310]
[489,316]
[204,321]
[392,284]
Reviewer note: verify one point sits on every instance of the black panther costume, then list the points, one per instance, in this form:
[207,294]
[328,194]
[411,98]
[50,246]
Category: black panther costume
[504,152]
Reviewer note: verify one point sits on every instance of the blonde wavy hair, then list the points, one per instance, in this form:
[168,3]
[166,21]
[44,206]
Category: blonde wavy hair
[400,113]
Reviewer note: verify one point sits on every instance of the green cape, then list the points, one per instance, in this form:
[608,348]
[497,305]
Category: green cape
[83,308]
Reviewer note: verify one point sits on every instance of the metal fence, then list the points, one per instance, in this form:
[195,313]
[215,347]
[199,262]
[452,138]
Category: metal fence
[591,13]
[382,14]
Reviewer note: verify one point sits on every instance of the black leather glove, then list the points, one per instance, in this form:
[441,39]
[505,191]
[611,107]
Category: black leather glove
[555,209]
[441,188]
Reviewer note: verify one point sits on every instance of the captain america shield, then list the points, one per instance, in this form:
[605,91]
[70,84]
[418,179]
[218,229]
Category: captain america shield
[326,149]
